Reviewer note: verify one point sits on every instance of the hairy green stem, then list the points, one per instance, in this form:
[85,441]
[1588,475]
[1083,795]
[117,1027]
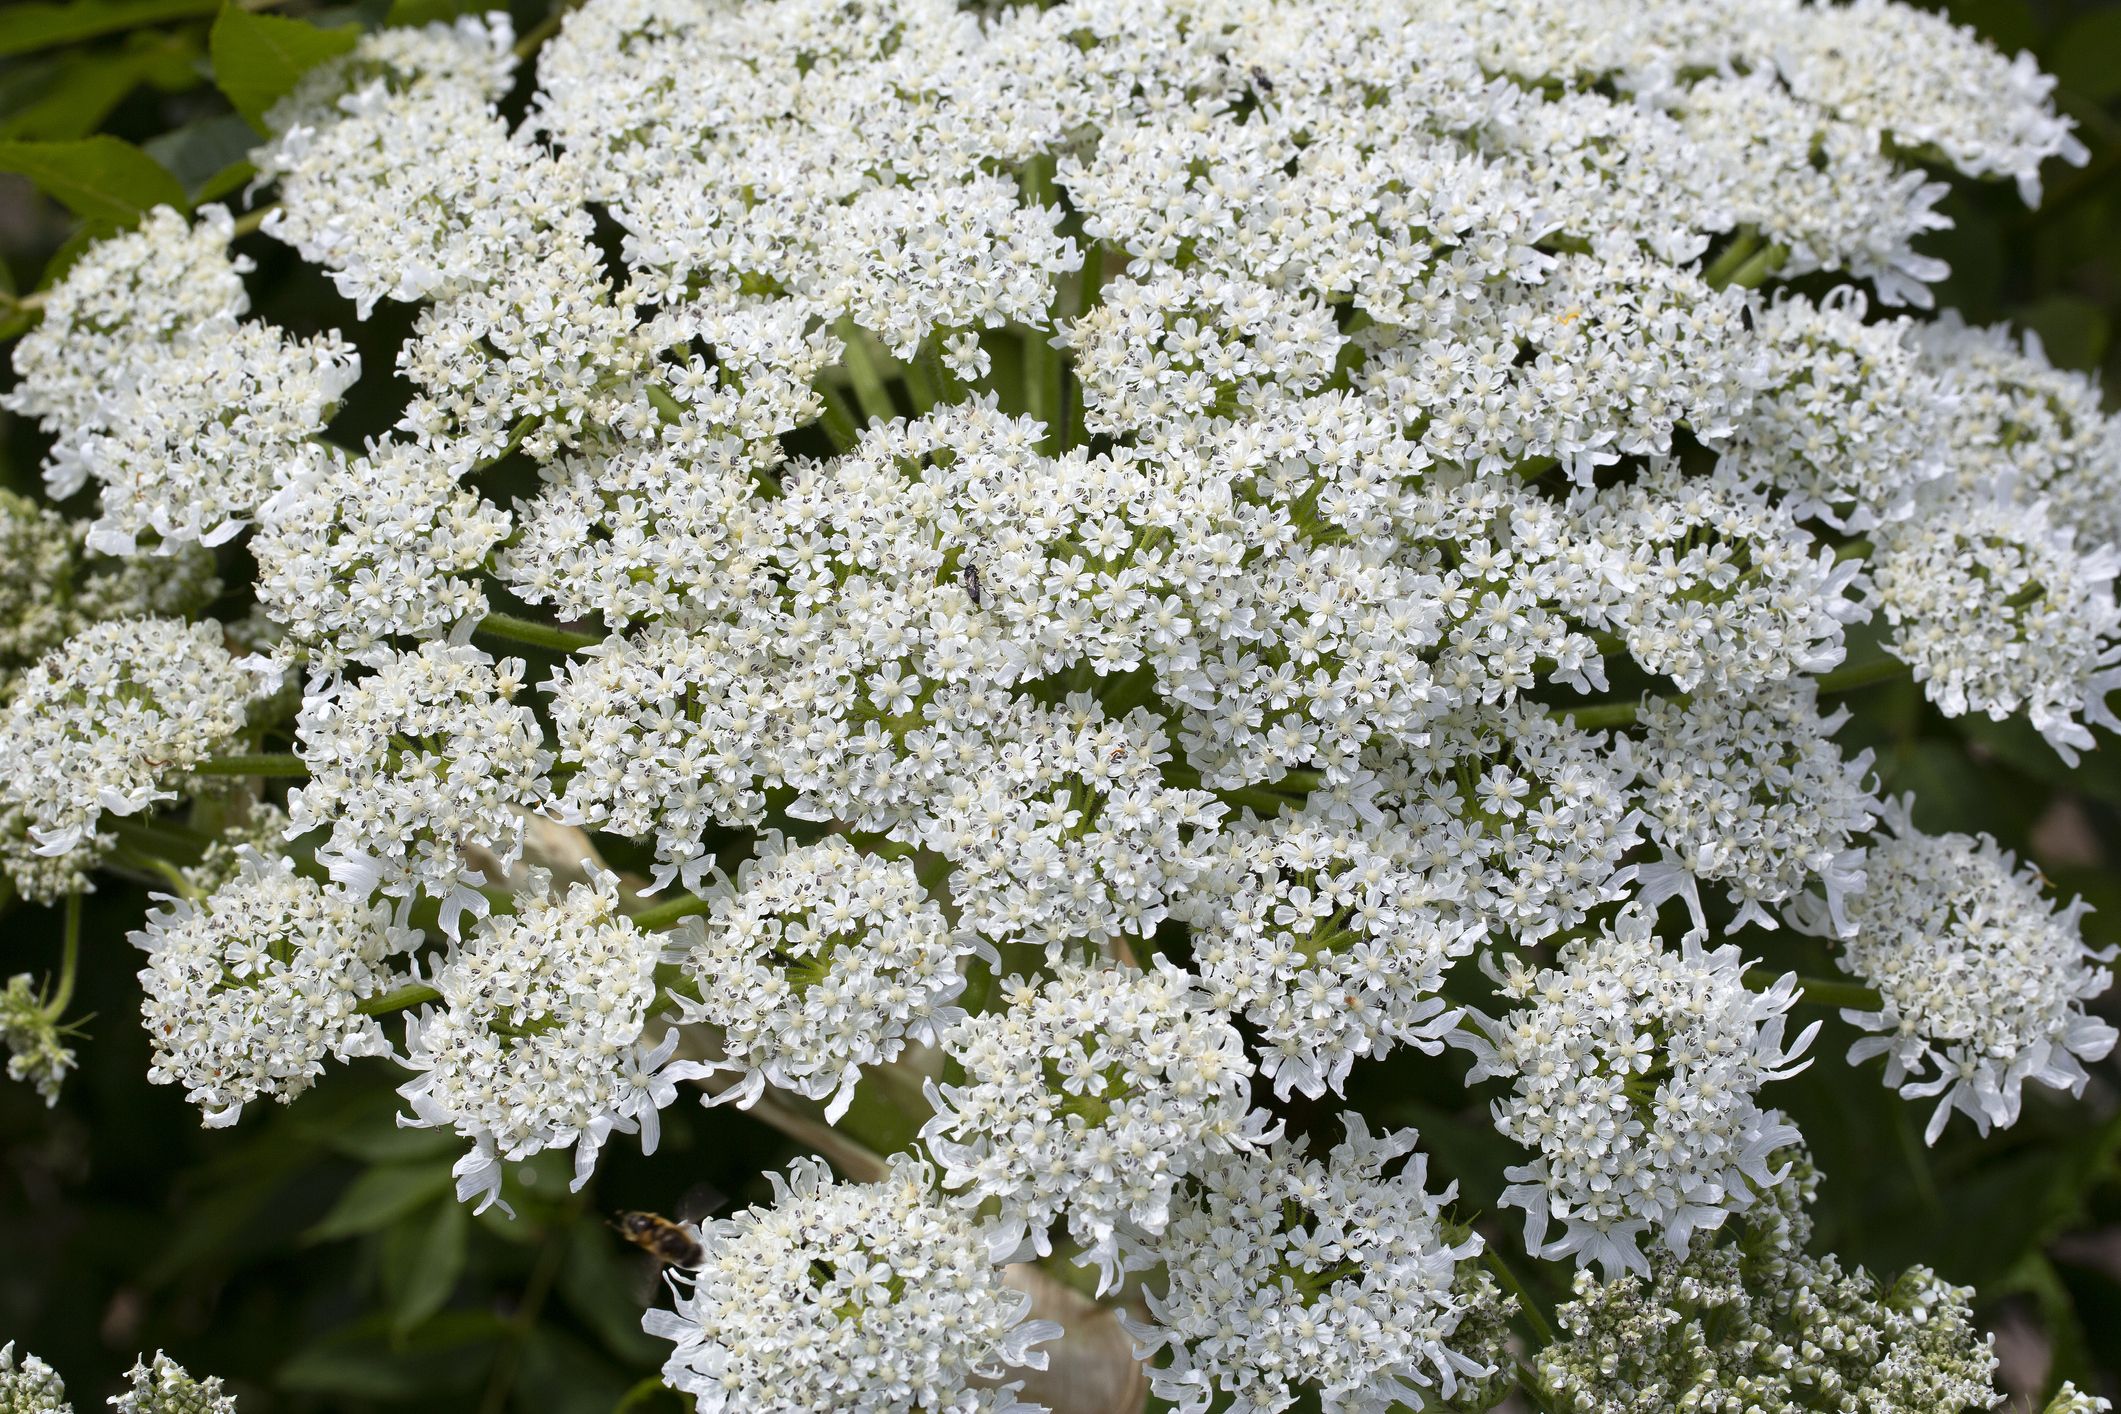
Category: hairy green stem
[670,911]
[1599,716]
[866,374]
[1744,244]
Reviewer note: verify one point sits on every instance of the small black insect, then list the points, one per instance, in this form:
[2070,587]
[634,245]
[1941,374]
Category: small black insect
[973,591]
[1260,80]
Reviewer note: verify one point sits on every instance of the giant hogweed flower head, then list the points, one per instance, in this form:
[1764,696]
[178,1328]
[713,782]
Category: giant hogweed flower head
[164,1387]
[110,721]
[249,989]
[542,1036]
[819,961]
[840,1295]
[1753,1321]
[29,1386]
[1980,978]
[1285,1273]
[1635,1075]
[1091,1097]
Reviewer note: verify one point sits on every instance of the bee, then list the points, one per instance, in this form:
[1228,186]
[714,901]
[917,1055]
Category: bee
[972,586]
[673,1244]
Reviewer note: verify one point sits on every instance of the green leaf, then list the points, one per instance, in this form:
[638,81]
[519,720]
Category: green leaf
[201,154]
[24,27]
[101,179]
[379,1196]
[423,1257]
[427,12]
[2085,58]
[79,93]
[360,1361]
[258,59]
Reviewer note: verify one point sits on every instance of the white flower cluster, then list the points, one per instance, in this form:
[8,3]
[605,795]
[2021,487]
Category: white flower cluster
[1635,1073]
[1756,1323]
[414,764]
[165,1388]
[111,721]
[1289,1274]
[822,960]
[850,1295]
[31,1386]
[1213,511]
[249,989]
[540,1040]
[1326,937]
[158,391]
[1094,1096]
[1978,975]
[353,553]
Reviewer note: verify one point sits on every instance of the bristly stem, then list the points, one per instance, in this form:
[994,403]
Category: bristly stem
[1834,992]
[534,634]
[1744,244]
[257,763]
[871,392]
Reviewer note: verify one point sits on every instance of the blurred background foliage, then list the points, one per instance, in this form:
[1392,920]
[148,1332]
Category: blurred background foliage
[315,1256]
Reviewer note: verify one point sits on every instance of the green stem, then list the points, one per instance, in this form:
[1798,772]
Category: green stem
[838,419]
[403,999]
[1542,1328]
[535,37]
[1598,716]
[1751,274]
[866,373]
[1829,991]
[261,763]
[511,629]
[69,960]
[921,385]
[1741,249]
[1852,676]
[664,914]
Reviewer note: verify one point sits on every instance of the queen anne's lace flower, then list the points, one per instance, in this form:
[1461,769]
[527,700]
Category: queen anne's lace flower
[850,1295]
[414,764]
[250,988]
[820,961]
[1093,1096]
[1977,975]
[1286,1274]
[111,720]
[541,1037]
[1635,1074]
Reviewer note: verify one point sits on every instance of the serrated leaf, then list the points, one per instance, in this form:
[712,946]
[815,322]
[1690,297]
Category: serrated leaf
[258,59]
[103,180]
[379,1196]
[26,27]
